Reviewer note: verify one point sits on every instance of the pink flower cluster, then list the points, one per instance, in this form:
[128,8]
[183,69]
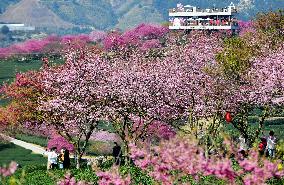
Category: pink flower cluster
[105,136]
[69,180]
[29,46]
[49,45]
[145,36]
[184,156]
[188,158]
[258,170]
[113,177]
[60,143]
[156,129]
[10,170]
[97,36]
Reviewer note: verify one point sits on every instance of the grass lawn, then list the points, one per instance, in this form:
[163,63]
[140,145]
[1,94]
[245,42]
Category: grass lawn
[11,152]
[8,69]
[276,125]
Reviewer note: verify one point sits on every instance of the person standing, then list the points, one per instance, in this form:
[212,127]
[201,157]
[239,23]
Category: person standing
[61,158]
[66,161]
[243,144]
[271,142]
[262,146]
[51,158]
[243,150]
[116,152]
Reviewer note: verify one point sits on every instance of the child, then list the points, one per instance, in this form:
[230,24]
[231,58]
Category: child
[271,142]
[61,159]
[262,146]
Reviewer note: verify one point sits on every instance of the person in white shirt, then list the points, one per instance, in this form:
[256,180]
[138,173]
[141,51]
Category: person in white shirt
[51,158]
[243,147]
[271,142]
[243,144]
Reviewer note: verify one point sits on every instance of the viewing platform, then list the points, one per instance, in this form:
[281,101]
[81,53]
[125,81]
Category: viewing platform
[193,18]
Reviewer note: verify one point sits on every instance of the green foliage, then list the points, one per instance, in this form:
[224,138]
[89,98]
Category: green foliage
[88,12]
[275,181]
[274,121]
[106,165]
[5,30]
[38,140]
[37,174]
[9,68]
[137,175]
[235,57]
[271,23]
[10,152]
[277,127]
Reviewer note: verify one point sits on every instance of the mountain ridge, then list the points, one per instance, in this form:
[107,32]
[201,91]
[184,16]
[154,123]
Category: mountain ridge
[32,12]
[109,14]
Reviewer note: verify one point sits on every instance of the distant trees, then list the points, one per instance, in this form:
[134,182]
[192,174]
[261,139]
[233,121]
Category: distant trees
[5,30]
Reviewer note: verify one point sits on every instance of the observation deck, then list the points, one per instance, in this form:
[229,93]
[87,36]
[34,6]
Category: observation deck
[193,18]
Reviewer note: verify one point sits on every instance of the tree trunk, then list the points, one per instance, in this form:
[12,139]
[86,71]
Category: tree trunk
[77,160]
[77,154]
[126,153]
[261,124]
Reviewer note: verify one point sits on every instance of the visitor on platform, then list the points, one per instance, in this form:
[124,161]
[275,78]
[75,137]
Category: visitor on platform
[271,142]
[51,158]
[61,158]
[66,161]
[116,152]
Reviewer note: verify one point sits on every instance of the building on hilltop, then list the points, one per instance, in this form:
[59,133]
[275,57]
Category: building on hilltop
[193,18]
[17,26]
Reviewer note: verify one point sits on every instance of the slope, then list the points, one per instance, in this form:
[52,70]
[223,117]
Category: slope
[33,13]
[5,3]
[96,13]
[139,14]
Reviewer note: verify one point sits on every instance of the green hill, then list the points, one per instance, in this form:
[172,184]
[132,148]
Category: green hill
[139,14]
[95,13]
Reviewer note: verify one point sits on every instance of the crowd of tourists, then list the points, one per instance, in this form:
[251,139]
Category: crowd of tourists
[56,160]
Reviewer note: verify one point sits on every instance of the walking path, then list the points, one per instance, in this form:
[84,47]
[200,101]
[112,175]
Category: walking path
[35,148]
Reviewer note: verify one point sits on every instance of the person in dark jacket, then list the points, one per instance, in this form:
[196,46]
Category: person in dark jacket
[116,153]
[66,161]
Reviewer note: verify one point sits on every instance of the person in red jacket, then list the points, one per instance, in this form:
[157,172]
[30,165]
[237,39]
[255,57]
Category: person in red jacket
[262,146]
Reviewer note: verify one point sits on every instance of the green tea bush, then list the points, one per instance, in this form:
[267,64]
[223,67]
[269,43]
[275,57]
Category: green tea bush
[138,177]
[274,121]
[37,174]
[38,140]
[11,152]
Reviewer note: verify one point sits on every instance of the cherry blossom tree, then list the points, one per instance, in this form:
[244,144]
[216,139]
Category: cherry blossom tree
[72,100]
[23,93]
[267,76]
